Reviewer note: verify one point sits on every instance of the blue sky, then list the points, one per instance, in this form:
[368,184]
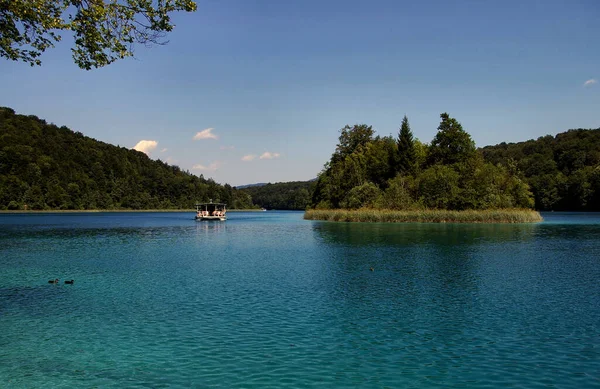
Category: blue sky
[274,81]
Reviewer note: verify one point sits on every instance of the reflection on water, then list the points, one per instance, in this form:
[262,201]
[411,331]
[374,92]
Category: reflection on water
[406,234]
[493,298]
[208,227]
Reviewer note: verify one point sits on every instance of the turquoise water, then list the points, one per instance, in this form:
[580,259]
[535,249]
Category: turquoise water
[268,300]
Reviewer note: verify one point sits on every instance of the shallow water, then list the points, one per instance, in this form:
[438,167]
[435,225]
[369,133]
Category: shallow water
[268,300]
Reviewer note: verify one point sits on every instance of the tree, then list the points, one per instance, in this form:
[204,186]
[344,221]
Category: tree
[438,187]
[104,30]
[365,195]
[351,138]
[380,160]
[399,193]
[451,143]
[406,149]
[421,155]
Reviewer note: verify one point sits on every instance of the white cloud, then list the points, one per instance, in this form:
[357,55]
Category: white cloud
[171,161]
[269,155]
[163,150]
[227,147]
[146,146]
[205,134]
[590,82]
[249,157]
[211,168]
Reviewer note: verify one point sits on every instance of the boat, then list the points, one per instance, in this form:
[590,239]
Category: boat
[211,211]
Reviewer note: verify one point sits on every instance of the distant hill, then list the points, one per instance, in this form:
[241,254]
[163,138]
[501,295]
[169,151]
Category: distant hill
[563,171]
[43,166]
[294,195]
[250,185]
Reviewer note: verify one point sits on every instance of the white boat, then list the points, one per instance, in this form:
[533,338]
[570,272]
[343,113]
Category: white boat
[211,211]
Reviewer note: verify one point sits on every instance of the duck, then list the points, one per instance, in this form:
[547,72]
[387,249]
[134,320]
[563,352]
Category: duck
[372,269]
[69,282]
[54,281]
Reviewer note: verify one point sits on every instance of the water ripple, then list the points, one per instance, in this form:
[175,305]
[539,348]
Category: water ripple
[275,301]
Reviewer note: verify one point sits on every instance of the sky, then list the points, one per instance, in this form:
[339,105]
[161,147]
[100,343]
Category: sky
[257,91]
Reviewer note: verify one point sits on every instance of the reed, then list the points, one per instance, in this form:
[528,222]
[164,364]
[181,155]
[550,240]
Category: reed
[425,216]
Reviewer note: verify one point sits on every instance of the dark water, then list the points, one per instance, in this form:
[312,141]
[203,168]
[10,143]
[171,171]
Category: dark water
[268,300]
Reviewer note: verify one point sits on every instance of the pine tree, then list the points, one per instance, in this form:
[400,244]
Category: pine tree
[406,149]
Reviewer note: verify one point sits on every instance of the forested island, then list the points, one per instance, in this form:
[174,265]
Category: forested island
[46,167]
[383,173]
[562,171]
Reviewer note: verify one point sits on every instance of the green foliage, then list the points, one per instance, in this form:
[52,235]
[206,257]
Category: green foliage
[43,166]
[492,187]
[562,171]
[379,161]
[358,158]
[351,139]
[284,195]
[407,155]
[451,144]
[421,155]
[399,194]
[104,30]
[365,195]
[363,172]
[339,178]
[438,187]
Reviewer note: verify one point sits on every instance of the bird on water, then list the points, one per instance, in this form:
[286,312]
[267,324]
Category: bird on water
[70,282]
[54,281]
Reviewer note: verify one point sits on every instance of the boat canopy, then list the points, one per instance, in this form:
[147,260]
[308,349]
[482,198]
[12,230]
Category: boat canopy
[211,205]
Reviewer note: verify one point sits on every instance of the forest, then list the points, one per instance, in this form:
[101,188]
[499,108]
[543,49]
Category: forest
[46,167]
[294,195]
[404,174]
[563,171]
[43,167]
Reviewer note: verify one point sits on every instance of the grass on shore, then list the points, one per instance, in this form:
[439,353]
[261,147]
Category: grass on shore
[425,216]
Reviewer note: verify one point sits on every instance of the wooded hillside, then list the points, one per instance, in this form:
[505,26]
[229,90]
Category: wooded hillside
[563,171]
[43,166]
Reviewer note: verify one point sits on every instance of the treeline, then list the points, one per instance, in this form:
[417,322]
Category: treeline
[43,166]
[295,195]
[403,173]
[562,171]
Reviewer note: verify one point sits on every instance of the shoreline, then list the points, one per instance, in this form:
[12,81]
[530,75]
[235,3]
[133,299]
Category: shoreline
[425,216]
[21,211]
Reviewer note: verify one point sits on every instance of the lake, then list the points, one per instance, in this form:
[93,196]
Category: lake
[269,300]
